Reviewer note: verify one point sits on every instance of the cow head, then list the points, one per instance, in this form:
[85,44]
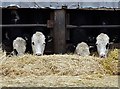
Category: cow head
[19,45]
[102,42]
[38,43]
[82,49]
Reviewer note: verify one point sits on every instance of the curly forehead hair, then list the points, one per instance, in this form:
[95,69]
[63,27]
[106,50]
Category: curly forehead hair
[102,37]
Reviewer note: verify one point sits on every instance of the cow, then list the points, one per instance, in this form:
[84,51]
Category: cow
[19,46]
[82,49]
[102,42]
[38,43]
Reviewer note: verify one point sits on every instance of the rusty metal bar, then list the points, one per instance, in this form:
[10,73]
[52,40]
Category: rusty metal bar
[24,25]
[93,26]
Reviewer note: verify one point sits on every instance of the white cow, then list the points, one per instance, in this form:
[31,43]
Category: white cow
[38,43]
[19,44]
[102,42]
[82,49]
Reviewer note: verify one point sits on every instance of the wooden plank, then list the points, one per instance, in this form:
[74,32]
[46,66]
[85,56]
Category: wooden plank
[59,31]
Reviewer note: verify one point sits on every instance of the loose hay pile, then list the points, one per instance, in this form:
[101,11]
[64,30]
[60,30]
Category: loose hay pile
[111,64]
[51,65]
[58,65]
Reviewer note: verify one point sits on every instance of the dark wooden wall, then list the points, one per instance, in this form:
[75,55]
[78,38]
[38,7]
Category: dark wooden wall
[60,18]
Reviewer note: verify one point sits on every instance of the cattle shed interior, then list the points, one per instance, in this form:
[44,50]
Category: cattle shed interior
[94,18]
[73,33]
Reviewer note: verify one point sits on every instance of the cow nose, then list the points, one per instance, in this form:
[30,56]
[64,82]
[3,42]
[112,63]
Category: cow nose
[38,54]
[102,56]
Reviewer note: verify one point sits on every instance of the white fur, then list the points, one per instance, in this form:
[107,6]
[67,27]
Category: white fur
[101,41]
[19,44]
[38,43]
[82,49]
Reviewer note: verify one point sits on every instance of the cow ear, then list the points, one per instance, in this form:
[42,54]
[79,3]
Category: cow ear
[108,44]
[74,46]
[6,36]
[26,38]
[111,43]
[49,39]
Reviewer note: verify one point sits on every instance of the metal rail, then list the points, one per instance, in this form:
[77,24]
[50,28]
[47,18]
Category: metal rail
[93,26]
[67,26]
[24,25]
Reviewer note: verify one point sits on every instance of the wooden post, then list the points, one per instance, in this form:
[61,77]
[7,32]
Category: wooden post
[59,31]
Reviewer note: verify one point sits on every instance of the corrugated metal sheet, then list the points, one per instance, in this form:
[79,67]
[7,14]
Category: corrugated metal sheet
[59,5]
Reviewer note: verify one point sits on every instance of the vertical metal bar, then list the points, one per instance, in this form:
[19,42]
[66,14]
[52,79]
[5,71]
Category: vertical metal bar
[59,31]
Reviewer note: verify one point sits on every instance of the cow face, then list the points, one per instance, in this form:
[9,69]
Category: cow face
[102,44]
[38,43]
[82,49]
[19,44]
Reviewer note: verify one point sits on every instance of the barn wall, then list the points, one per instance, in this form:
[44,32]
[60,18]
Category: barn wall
[27,16]
[93,17]
[59,35]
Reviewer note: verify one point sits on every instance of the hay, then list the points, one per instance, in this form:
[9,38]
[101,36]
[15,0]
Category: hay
[51,65]
[62,81]
[110,64]
[58,65]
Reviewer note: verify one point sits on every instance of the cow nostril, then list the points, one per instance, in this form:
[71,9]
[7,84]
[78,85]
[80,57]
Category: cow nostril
[38,54]
[102,56]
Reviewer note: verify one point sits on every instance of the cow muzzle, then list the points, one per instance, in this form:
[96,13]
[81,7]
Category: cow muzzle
[103,55]
[38,54]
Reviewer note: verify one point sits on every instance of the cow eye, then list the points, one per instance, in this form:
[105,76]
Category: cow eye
[44,43]
[32,43]
[96,44]
[107,45]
